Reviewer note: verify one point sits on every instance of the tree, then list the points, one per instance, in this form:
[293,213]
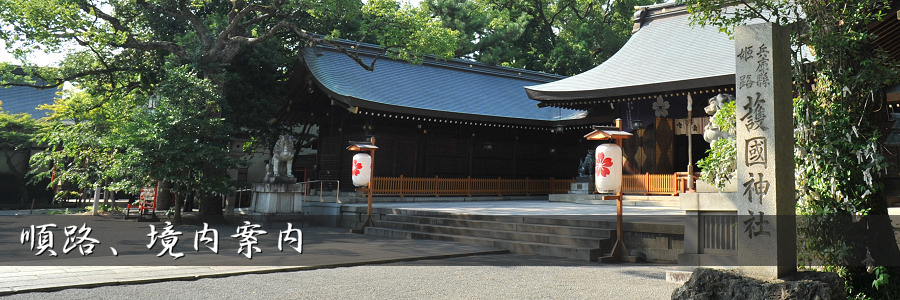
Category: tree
[130,45]
[83,140]
[838,116]
[175,140]
[556,36]
[17,141]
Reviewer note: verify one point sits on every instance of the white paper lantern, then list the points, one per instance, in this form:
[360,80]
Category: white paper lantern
[608,168]
[362,169]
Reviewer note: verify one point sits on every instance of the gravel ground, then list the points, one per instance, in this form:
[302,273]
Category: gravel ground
[504,276]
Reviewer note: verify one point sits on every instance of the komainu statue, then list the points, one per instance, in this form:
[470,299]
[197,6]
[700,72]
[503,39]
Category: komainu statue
[712,132]
[282,155]
[586,166]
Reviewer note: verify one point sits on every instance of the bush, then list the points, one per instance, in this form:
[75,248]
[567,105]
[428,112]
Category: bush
[719,164]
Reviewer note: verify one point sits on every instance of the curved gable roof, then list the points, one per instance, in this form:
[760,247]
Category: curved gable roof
[448,89]
[23,99]
[666,54]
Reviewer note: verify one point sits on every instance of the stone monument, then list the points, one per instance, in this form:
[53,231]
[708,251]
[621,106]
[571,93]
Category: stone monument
[765,202]
[751,226]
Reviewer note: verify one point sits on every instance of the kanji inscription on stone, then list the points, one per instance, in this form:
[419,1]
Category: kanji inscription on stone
[756,224]
[755,118]
[756,152]
[765,164]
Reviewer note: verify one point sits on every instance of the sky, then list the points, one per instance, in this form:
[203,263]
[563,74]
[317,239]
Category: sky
[40,59]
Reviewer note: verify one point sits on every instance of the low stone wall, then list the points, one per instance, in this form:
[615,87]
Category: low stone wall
[655,246]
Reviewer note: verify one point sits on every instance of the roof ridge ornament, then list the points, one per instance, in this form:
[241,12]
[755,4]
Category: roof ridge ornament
[638,18]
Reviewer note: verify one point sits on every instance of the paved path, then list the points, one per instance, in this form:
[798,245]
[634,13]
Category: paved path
[322,248]
[503,276]
[21,271]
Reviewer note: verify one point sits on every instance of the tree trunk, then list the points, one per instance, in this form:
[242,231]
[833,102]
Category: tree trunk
[211,209]
[211,206]
[24,200]
[188,204]
[176,217]
[229,204]
[164,196]
[95,206]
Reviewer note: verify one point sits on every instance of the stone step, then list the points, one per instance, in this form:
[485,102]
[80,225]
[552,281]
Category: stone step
[671,224]
[660,203]
[563,251]
[536,225]
[517,236]
[628,200]
[562,220]
[362,198]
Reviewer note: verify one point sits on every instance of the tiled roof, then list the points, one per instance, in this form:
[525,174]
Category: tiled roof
[666,54]
[18,99]
[454,89]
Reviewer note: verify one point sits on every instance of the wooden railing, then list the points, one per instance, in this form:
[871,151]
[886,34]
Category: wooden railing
[419,186]
[647,184]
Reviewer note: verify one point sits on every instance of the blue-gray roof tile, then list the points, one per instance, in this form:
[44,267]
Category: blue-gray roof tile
[452,89]
[666,54]
[17,99]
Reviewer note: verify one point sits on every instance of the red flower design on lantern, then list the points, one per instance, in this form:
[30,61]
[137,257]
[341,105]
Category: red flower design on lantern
[356,167]
[603,164]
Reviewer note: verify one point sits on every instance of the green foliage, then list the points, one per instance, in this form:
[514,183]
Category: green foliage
[406,32]
[883,278]
[719,164]
[102,208]
[16,130]
[554,36]
[17,140]
[724,118]
[726,14]
[837,116]
[184,52]
[179,139]
[83,147]
[17,133]
[66,211]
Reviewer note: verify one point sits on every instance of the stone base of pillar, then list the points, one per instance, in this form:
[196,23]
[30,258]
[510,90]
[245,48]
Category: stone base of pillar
[277,198]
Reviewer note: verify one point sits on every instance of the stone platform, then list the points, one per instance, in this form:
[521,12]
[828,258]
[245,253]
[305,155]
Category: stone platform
[569,230]
[628,200]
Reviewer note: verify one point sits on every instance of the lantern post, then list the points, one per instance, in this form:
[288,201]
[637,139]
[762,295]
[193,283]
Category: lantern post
[619,251]
[367,178]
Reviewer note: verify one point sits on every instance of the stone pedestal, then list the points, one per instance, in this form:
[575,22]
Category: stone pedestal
[710,230]
[281,179]
[582,186]
[277,198]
